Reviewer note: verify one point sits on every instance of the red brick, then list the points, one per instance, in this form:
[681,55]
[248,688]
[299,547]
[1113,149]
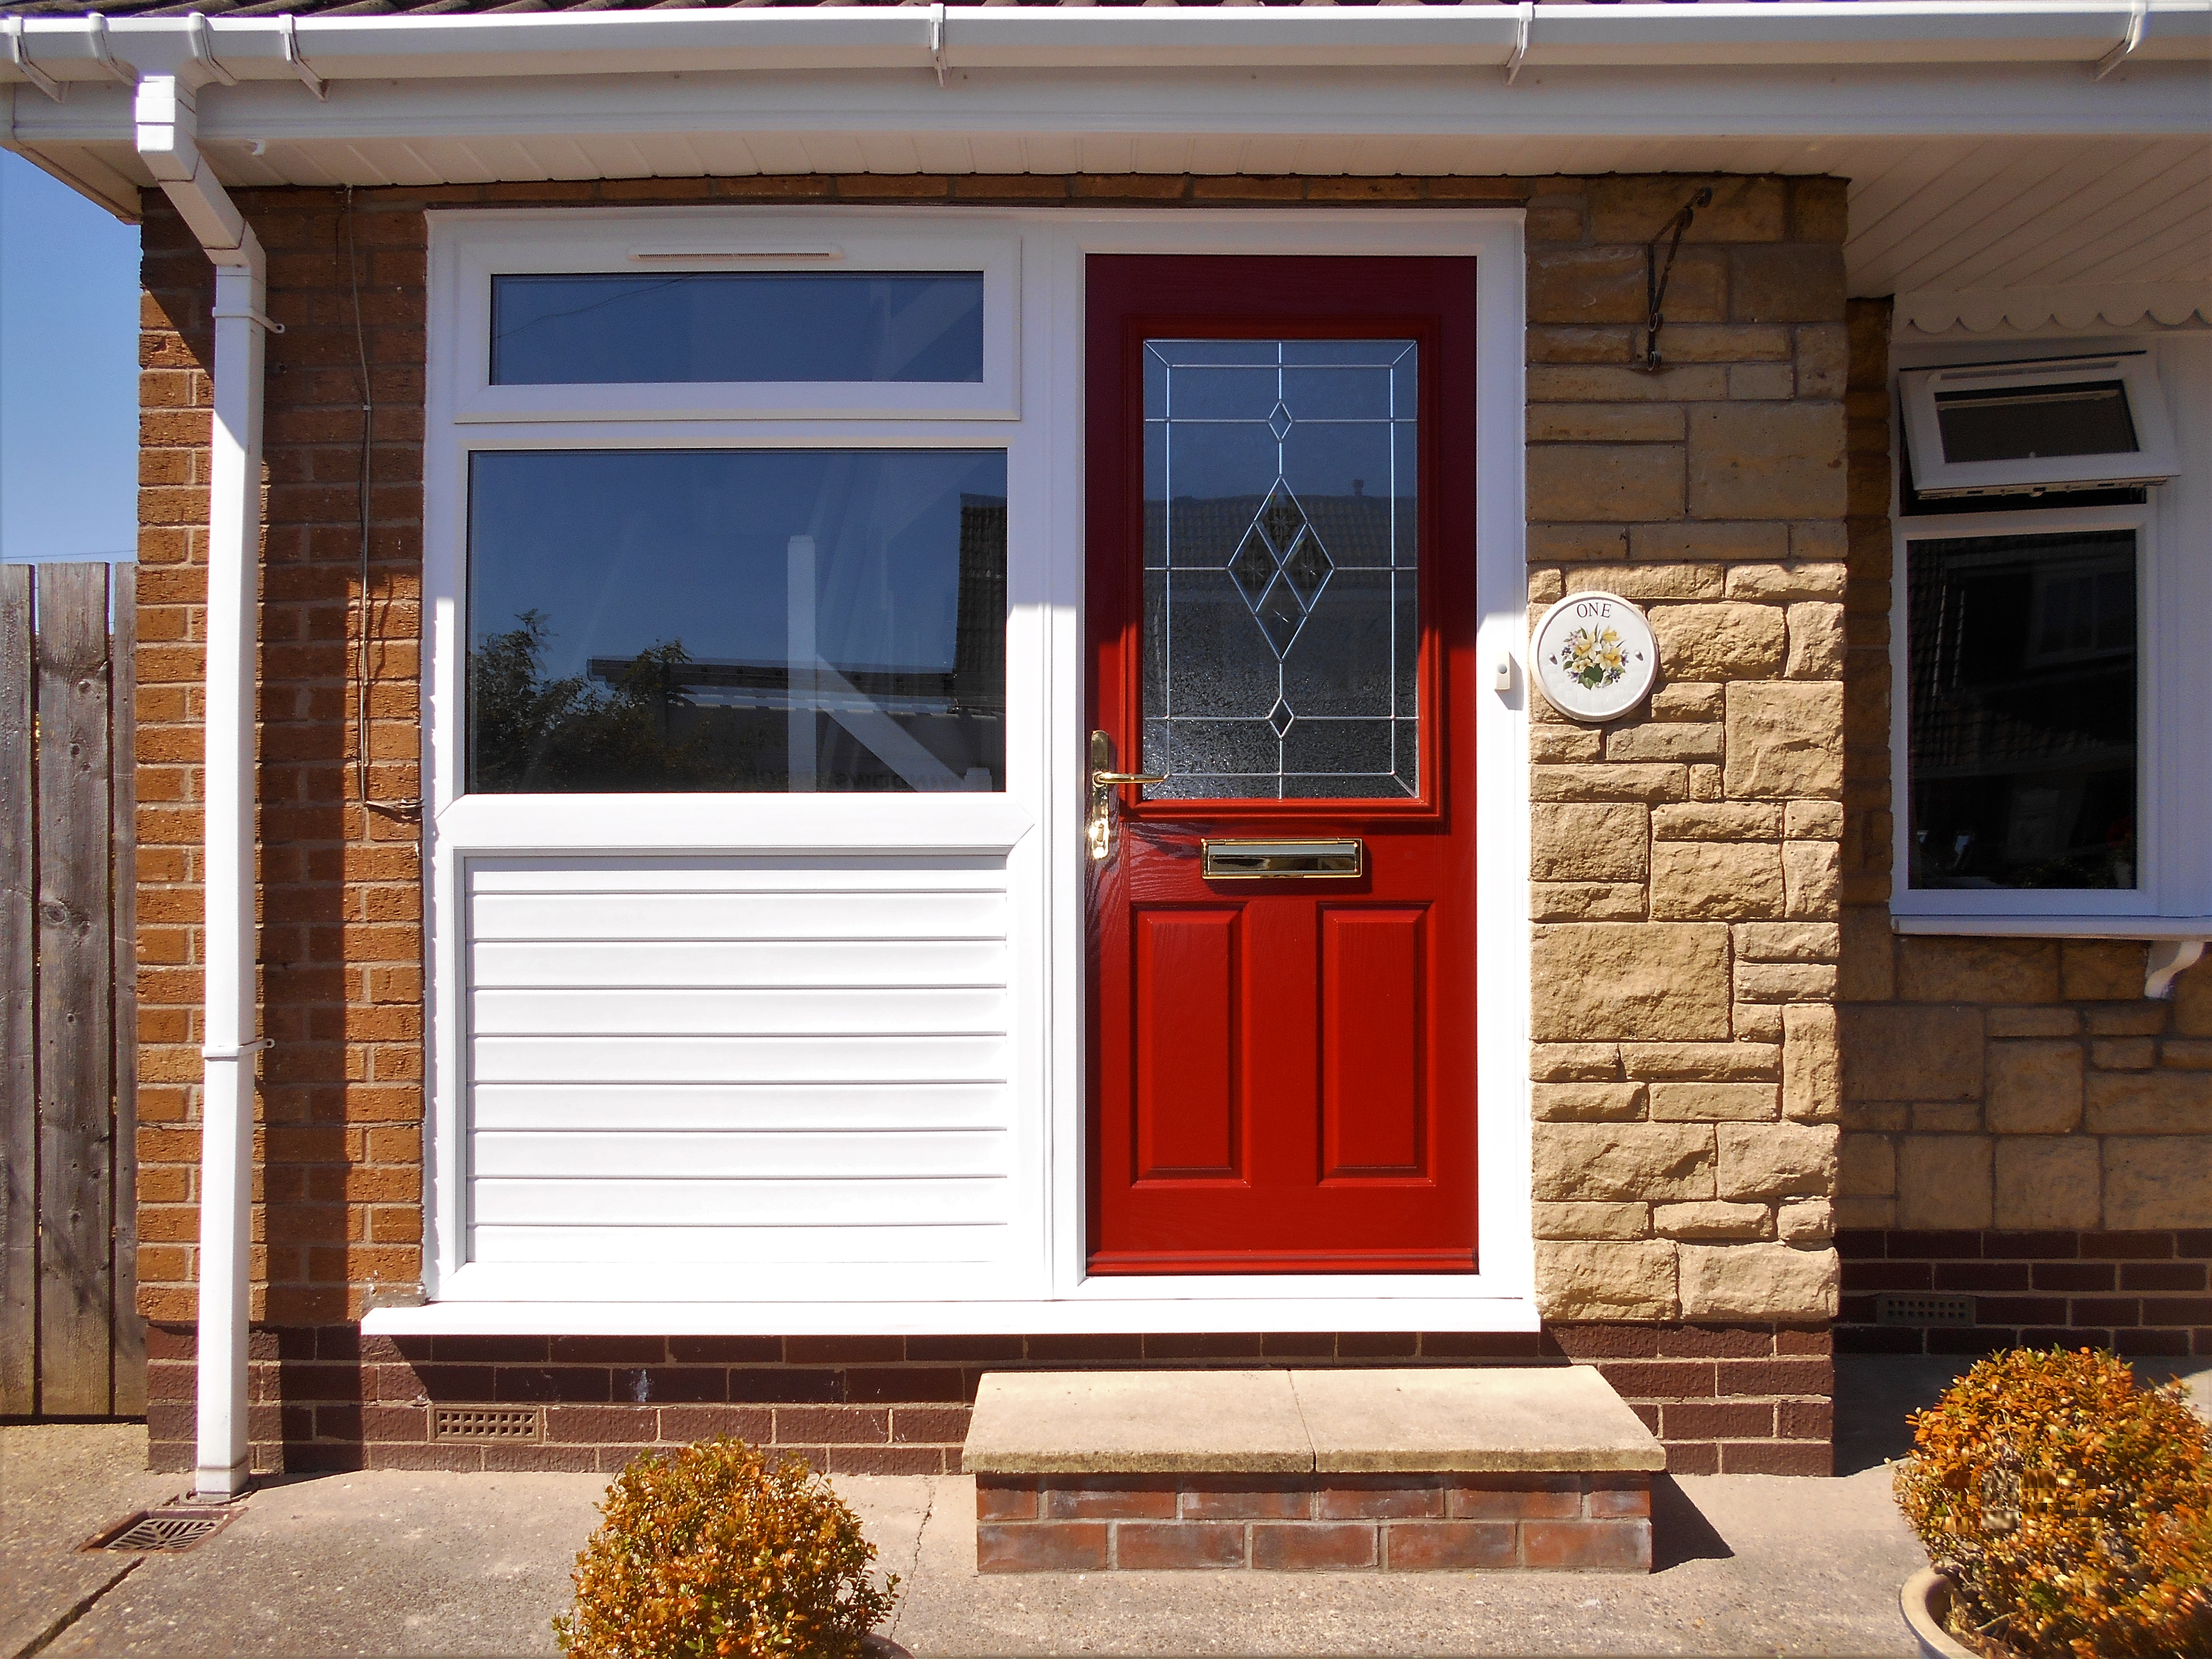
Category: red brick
[1706,1419]
[1002,1499]
[1246,1497]
[1148,1547]
[1588,1546]
[832,1425]
[1110,1497]
[1774,1457]
[886,1460]
[843,1350]
[601,1426]
[939,1424]
[1295,1548]
[1716,1342]
[1608,1501]
[1447,1546]
[1381,1496]
[687,1423]
[1515,1496]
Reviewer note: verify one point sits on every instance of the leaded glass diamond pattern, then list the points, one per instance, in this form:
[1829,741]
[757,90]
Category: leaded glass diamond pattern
[1296,566]
[1281,608]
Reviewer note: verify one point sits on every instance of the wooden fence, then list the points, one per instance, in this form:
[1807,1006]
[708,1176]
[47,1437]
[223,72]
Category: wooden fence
[71,1343]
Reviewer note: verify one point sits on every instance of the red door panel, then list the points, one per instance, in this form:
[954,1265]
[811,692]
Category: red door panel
[1187,1041]
[1280,613]
[1373,1044]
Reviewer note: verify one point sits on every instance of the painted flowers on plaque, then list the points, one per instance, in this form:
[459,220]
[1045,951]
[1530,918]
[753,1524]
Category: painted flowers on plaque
[1595,656]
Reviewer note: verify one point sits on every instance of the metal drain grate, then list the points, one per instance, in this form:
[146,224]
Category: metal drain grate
[505,1423]
[165,1529]
[1921,1308]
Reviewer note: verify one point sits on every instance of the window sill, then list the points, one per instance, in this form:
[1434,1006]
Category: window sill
[1072,1316]
[2017,926]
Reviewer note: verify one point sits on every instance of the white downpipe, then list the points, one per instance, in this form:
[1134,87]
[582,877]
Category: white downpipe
[165,114]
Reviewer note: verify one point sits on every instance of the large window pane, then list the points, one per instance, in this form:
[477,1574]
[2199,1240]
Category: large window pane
[1282,625]
[659,620]
[2023,711]
[737,325]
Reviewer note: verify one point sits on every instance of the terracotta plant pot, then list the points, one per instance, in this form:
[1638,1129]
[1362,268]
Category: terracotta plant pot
[1925,1599]
[882,1647]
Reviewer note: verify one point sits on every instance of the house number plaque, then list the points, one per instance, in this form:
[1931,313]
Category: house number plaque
[1595,656]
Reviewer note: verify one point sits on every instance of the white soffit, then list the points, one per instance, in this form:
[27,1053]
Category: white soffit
[1989,161]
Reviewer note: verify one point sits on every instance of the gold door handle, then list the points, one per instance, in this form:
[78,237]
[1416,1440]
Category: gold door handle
[1098,824]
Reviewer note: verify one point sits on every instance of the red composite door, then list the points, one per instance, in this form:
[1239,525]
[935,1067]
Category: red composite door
[1281,622]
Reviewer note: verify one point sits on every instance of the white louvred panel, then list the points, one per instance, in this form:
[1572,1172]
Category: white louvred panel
[720,1061]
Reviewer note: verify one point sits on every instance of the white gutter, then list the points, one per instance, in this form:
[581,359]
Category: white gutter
[325,49]
[167,116]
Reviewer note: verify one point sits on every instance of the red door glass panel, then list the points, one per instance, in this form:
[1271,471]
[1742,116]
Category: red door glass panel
[1281,1071]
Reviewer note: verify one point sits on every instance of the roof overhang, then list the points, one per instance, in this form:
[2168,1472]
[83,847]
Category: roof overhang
[1990,146]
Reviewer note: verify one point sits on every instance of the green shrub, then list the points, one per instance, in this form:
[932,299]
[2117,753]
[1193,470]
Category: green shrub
[712,1552]
[2072,1510]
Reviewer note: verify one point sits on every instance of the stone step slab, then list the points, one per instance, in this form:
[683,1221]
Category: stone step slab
[1498,1418]
[1337,1471]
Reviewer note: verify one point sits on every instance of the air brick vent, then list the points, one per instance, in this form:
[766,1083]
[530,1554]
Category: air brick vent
[1921,1308]
[483,1423]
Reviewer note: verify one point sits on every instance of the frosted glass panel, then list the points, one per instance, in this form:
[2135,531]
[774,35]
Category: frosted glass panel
[1282,625]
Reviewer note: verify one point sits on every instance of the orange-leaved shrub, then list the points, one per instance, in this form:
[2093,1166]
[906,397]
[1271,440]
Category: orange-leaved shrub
[2071,1510]
[710,1551]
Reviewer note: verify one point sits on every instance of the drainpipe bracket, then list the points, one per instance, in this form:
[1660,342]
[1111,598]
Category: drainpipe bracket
[263,320]
[2164,961]
[214,1051]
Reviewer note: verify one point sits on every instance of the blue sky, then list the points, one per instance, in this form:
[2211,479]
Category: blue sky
[69,373]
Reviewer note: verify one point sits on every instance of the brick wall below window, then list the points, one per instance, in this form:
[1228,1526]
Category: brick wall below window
[2143,1294]
[1734,1399]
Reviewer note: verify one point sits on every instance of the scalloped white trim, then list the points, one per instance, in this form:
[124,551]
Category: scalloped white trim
[2117,305]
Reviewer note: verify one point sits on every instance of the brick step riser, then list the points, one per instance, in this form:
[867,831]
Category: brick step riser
[1394,1523]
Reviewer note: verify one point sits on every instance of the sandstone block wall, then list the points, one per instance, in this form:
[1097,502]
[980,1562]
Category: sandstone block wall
[1687,859]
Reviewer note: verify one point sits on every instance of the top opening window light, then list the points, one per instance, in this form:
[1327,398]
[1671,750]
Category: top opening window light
[672,326]
[2031,428]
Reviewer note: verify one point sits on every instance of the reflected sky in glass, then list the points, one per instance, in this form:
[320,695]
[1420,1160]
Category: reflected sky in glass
[682,326]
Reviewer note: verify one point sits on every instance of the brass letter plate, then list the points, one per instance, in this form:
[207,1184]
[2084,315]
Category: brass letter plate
[1336,859]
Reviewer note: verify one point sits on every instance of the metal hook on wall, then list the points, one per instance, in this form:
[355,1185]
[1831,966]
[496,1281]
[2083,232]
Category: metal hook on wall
[1658,275]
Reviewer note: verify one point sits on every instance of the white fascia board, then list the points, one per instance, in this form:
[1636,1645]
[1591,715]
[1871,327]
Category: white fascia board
[1977,101]
[1644,36]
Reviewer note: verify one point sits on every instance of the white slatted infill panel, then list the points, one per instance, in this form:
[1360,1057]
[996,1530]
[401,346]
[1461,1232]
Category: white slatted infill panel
[778,1061]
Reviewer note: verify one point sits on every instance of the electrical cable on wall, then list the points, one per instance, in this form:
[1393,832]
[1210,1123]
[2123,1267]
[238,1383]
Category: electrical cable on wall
[412,804]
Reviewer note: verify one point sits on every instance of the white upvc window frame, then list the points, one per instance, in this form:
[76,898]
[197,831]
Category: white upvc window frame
[649,245]
[2173,896]
[1037,821]
[2153,460]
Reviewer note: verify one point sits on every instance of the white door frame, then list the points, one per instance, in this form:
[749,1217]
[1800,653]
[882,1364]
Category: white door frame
[1038,822]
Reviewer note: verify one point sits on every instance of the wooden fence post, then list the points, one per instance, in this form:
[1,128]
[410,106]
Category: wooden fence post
[76,1006]
[19,1098]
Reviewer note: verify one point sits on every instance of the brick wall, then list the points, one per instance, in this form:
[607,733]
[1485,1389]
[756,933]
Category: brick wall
[339,1109]
[1685,1154]
[2017,1118]
[1686,858]
[1743,1399]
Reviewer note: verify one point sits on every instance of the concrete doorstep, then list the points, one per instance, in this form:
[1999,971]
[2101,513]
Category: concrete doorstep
[429,1564]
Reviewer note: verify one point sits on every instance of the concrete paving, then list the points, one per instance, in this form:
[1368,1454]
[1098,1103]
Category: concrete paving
[432,1564]
[423,1564]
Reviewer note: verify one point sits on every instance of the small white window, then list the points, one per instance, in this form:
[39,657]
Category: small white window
[2052,702]
[2056,424]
